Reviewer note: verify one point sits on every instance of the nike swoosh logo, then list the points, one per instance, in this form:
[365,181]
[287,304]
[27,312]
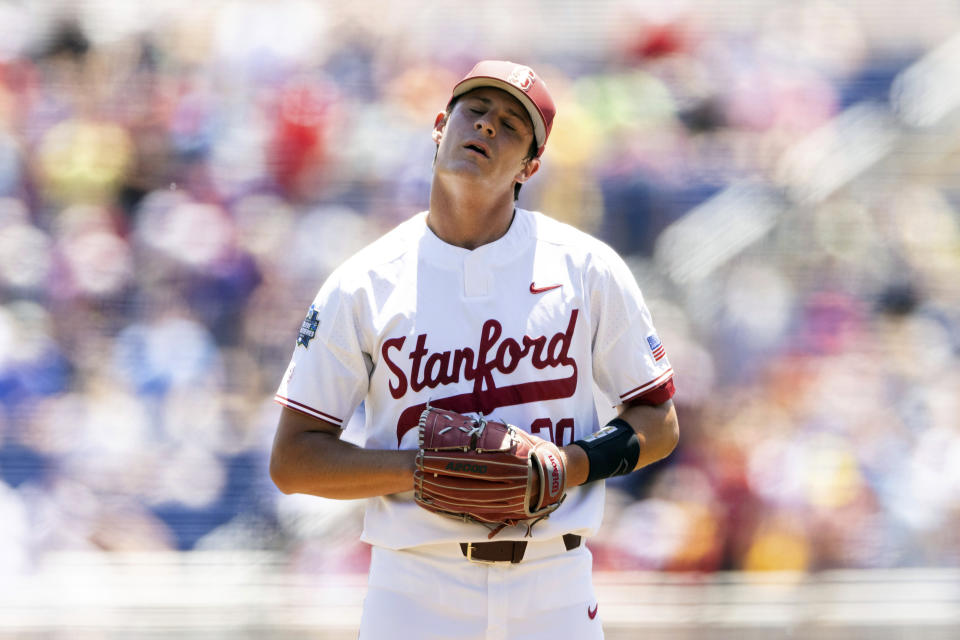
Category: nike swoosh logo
[534,289]
[593,614]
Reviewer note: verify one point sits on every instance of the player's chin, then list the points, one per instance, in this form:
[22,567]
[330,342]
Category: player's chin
[463,168]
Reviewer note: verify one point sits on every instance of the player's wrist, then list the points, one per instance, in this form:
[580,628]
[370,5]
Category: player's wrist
[576,463]
[409,466]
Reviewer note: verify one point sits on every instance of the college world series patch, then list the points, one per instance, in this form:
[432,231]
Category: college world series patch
[309,327]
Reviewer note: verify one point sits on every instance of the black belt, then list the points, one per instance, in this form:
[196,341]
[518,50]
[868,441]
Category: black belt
[507,550]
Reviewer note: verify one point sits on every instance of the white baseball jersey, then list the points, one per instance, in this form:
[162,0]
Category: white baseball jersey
[518,329]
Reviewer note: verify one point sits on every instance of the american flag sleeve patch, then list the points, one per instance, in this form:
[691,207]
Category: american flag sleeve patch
[656,347]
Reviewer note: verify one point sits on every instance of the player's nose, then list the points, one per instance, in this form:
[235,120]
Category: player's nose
[483,124]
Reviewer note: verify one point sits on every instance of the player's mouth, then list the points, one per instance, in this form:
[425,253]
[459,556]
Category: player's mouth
[478,147]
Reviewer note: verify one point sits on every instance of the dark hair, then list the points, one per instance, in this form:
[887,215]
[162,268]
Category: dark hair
[531,152]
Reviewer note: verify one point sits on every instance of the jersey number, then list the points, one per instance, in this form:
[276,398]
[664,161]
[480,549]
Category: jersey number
[556,436]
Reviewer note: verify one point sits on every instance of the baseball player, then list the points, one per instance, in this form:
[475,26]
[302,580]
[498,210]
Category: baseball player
[473,334]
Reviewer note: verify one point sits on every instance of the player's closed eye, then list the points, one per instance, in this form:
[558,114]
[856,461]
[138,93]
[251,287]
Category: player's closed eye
[506,123]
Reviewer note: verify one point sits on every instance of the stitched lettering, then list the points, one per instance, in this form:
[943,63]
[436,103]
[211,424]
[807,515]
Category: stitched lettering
[466,467]
[432,369]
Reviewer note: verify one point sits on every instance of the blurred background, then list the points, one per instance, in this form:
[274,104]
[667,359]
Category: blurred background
[178,178]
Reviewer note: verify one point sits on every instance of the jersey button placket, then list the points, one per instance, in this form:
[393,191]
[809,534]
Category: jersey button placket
[477,274]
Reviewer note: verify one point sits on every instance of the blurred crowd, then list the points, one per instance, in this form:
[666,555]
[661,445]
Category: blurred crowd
[176,181]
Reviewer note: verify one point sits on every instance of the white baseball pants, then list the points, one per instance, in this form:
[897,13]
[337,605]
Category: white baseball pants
[434,592]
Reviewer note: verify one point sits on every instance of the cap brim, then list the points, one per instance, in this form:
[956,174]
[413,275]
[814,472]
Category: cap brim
[536,116]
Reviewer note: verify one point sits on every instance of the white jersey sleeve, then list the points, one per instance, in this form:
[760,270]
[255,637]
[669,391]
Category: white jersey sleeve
[329,373]
[629,359]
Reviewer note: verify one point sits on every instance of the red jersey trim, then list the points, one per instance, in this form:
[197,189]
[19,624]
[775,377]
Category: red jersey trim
[656,396]
[648,386]
[310,411]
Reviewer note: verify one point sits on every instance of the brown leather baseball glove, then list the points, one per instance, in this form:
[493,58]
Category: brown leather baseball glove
[486,471]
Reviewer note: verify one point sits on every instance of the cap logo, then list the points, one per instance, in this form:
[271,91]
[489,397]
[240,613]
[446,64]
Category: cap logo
[522,77]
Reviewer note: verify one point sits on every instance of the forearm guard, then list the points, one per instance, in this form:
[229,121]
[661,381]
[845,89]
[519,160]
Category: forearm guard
[612,451]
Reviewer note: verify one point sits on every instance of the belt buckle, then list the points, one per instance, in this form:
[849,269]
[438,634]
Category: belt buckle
[476,560]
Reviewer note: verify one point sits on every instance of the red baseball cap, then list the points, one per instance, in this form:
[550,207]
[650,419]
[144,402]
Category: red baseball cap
[520,82]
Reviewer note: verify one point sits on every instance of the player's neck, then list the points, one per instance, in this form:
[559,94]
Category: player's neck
[468,219]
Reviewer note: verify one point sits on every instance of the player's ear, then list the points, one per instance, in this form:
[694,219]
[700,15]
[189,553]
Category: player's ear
[529,168]
[438,126]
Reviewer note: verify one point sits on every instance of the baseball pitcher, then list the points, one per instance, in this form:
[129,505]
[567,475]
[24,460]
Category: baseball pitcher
[473,333]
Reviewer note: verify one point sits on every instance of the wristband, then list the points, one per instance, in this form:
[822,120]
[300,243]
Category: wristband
[612,451]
